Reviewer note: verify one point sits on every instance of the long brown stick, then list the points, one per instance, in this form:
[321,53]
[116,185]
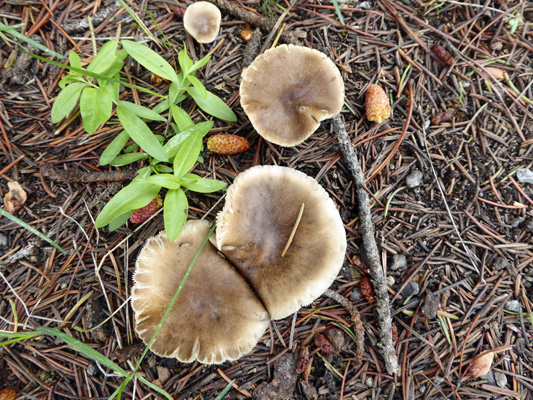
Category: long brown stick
[369,241]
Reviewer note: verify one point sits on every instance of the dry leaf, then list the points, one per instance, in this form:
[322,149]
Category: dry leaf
[480,365]
[15,198]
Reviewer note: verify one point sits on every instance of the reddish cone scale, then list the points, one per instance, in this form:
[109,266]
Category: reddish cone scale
[142,214]
[226,143]
[377,104]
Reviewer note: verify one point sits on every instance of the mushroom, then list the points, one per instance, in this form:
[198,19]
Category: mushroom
[288,90]
[216,317]
[280,229]
[202,21]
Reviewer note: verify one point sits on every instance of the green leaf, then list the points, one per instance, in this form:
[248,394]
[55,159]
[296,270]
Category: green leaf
[126,159]
[199,64]
[74,59]
[66,101]
[198,85]
[115,68]
[201,185]
[176,90]
[112,150]
[175,142]
[150,60]
[141,134]
[181,117]
[212,105]
[141,111]
[164,180]
[175,212]
[113,88]
[95,108]
[184,61]
[83,348]
[72,77]
[187,155]
[136,195]
[104,59]
[163,169]
[119,221]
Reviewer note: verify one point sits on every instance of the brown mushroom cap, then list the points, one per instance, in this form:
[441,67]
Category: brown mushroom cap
[217,316]
[288,90]
[262,206]
[202,21]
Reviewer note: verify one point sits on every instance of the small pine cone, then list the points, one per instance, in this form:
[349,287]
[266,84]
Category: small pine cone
[366,289]
[226,143]
[377,104]
[142,214]
[442,55]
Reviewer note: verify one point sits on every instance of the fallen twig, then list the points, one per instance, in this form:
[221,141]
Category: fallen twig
[369,241]
[358,324]
[83,24]
[77,176]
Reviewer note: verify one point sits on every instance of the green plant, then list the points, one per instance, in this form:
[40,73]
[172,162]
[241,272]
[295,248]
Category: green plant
[170,157]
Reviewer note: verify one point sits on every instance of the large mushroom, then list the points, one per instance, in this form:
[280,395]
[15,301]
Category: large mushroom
[202,21]
[217,316]
[282,232]
[288,90]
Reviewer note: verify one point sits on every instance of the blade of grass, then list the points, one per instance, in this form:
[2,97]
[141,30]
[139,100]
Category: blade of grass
[83,348]
[95,75]
[157,26]
[20,36]
[226,390]
[338,11]
[31,229]
[139,22]
[169,308]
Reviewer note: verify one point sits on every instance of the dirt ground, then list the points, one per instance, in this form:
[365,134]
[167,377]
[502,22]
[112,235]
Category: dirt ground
[453,215]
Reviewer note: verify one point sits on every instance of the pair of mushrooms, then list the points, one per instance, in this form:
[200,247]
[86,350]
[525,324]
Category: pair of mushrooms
[280,243]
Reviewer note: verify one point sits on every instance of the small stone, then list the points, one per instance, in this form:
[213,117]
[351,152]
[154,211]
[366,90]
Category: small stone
[501,263]
[390,281]
[430,306]
[356,295]
[524,175]
[3,241]
[369,382]
[517,221]
[411,289]
[501,379]
[399,262]
[91,369]
[489,376]
[513,306]
[414,179]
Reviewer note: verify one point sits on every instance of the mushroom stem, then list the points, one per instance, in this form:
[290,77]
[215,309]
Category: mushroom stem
[294,230]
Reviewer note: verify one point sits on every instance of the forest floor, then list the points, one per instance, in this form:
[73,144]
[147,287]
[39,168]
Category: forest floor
[453,208]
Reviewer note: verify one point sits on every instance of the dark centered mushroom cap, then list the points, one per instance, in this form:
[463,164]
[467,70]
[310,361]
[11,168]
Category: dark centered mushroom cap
[216,317]
[202,21]
[288,90]
[262,206]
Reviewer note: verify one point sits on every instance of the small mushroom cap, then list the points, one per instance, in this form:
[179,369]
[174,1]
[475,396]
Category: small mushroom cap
[262,206]
[217,316]
[202,21]
[288,90]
